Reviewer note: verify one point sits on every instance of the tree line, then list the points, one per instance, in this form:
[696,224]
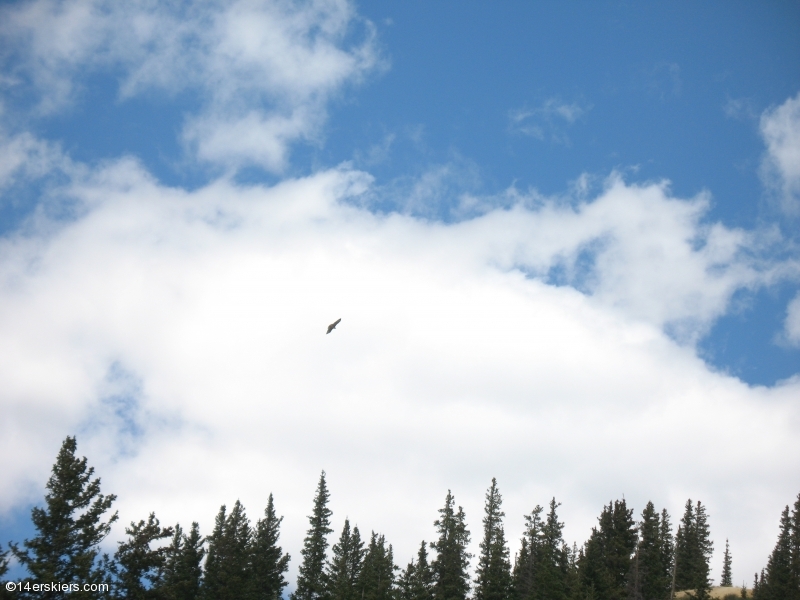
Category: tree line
[625,558]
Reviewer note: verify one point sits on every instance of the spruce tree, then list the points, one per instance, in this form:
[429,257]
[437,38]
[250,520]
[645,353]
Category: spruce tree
[344,569]
[526,559]
[4,593]
[520,575]
[654,554]
[138,567]
[726,580]
[494,567]
[311,580]
[551,574]
[405,582]
[776,580]
[693,552]
[606,563]
[417,579]
[268,562]
[376,580]
[69,528]
[667,543]
[450,567]
[757,586]
[794,571]
[228,575]
[182,572]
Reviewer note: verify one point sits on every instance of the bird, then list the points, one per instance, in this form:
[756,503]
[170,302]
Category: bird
[332,326]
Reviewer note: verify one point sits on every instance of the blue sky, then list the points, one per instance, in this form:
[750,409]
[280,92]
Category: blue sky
[611,189]
[664,91]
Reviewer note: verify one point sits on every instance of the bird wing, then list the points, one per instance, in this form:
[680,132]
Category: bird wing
[332,326]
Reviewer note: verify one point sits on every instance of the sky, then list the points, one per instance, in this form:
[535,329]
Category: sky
[563,240]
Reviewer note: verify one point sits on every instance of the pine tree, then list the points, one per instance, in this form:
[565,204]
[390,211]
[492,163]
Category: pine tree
[344,569]
[526,559]
[69,528]
[450,567]
[182,572]
[268,562]
[376,580]
[416,580]
[494,567]
[776,580]
[667,543]
[757,586]
[311,580]
[405,582]
[138,567]
[521,579]
[550,577]
[228,575]
[654,554]
[4,594]
[606,563]
[726,580]
[794,571]
[694,549]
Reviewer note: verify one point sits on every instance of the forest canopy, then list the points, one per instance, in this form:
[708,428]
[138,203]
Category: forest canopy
[626,556]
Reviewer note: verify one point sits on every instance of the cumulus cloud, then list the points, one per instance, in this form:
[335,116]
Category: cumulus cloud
[780,128]
[182,336]
[263,72]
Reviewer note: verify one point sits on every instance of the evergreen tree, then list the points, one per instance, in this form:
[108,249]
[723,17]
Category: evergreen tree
[311,580]
[405,582]
[654,554]
[228,575]
[494,567]
[794,572]
[3,562]
[667,542]
[726,580]
[757,586]
[344,568]
[268,561]
[694,549]
[450,567]
[182,572]
[552,570]
[416,581]
[376,580]
[776,580]
[138,567]
[69,528]
[521,580]
[4,593]
[526,559]
[606,563]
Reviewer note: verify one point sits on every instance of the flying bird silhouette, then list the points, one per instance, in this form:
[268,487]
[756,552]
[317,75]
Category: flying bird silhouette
[332,326]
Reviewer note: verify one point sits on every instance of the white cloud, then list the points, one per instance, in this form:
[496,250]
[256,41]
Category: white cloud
[792,324]
[780,128]
[664,80]
[181,336]
[264,71]
[23,157]
[547,120]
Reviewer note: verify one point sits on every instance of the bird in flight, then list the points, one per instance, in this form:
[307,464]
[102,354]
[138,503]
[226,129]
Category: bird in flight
[332,326]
